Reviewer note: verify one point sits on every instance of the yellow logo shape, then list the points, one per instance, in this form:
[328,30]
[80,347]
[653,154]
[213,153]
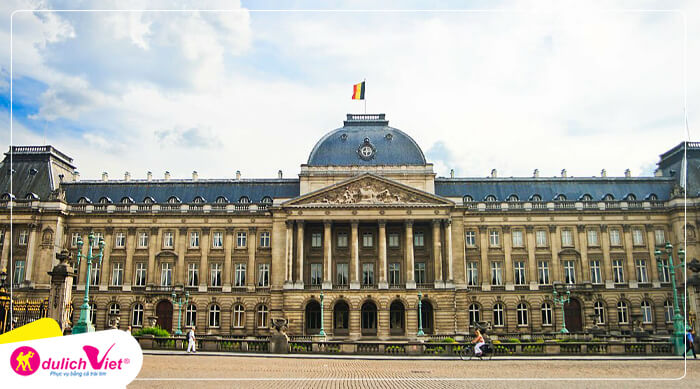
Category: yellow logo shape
[40,329]
[23,361]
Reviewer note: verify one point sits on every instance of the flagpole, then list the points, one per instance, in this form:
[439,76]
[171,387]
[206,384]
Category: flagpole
[364,80]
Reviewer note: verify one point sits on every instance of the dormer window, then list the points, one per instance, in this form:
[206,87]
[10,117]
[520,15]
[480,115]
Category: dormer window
[31,196]
[173,200]
[84,200]
[490,198]
[586,197]
[6,197]
[467,199]
[652,197]
[198,200]
[608,197]
[560,197]
[104,200]
[126,200]
[631,197]
[244,200]
[221,200]
[513,198]
[266,200]
[148,200]
[536,197]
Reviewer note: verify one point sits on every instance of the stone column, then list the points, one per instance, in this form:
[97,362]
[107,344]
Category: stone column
[437,255]
[6,243]
[300,255]
[484,260]
[354,256]
[652,266]
[327,255]
[448,253]
[531,258]
[585,275]
[508,265]
[82,271]
[152,243]
[129,262]
[554,243]
[410,272]
[607,266]
[31,247]
[631,275]
[61,290]
[252,245]
[228,246]
[289,255]
[181,240]
[105,270]
[383,284]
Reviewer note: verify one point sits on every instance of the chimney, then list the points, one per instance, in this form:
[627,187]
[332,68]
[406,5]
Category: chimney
[76,175]
[536,173]
[167,175]
[149,176]
[238,174]
[105,177]
[563,173]
[127,176]
[494,173]
[603,173]
[195,176]
[452,173]
[279,174]
[628,173]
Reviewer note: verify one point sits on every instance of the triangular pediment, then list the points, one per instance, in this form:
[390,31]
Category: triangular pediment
[368,190]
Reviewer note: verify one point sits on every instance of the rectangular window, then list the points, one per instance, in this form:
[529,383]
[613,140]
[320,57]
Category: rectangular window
[215,274]
[418,239]
[217,240]
[595,272]
[569,272]
[264,275]
[342,239]
[394,274]
[316,273]
[593,238]
[119,240]
[95,273]
[194,239]
[519,267]
[494,238]
[367,239]
[99,236]
[567,237]
[541,238]
[393,239]
[496,273]
[168,240]
[265,239]
[74,239]
[143,240]
[316,239]
[241,239]
[140,275]
[192,274]
[23,238]
[18,275]
[239,279]
[637,237]
[659,237]
[367,274]
[517,238]
[341,273]
[614,237]
[470,238]
[419,273]
[117,273]
[618,274]
[166,274]
[641,266]
[543,272]
[665,275]
[472,273]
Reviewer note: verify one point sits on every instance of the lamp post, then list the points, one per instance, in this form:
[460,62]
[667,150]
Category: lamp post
[84,324]
[420,315]
[178,299]
[678,337]
[562,300]
[322,332]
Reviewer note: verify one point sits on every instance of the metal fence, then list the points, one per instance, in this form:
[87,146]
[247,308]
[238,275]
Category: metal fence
[23,312]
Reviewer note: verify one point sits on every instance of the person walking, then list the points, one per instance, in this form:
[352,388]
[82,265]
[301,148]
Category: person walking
[479,340]
[128,330]
[690,339]
[191,341]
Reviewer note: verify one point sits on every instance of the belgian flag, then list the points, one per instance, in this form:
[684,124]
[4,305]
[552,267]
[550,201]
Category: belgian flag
[358,91]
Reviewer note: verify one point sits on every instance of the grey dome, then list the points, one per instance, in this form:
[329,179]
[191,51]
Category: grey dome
[384,145]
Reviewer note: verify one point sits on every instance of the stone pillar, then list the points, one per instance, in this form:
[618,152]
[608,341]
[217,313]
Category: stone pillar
[31,247]
[181,240]
[60,296]
[129,262]
[327,255]
[354,256]
[531,258]
[508,265]
[82,271]
[252,273]
[300,255]
[6,243]
[585,275]
[652,268]
[383,283]
[289,255]
[228,246]
[631,275]
[410,272]
[484,260]
[554,242]
[607,266]
[152,243]
[448,253]
[105,271]
[437,255]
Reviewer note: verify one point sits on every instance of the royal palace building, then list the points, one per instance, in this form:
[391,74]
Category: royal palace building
[367,230]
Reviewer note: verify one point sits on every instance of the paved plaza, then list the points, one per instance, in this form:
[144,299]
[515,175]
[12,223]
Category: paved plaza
[182,371]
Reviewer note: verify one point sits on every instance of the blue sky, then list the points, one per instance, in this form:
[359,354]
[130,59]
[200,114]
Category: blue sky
[546,85]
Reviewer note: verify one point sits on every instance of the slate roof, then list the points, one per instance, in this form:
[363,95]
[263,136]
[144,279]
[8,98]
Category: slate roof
[392,146]
[573,188]
[671,161]
[32,171]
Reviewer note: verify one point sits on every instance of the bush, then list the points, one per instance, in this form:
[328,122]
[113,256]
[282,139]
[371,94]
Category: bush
[449,340]
[511,340]
[539,341]
[155,331]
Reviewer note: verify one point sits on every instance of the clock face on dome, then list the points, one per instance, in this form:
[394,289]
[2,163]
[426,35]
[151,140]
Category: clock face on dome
[366,151]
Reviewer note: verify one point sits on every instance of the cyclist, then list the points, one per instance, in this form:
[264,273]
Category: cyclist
[479,340]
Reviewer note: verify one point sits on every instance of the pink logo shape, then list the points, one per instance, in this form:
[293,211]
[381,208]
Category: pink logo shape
[92,354]
[25,361]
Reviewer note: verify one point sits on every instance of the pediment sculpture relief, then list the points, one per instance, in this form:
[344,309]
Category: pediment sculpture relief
[368,192]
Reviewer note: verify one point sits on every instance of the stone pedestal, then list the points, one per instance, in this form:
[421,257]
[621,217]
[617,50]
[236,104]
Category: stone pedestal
[60,296]
[279,344]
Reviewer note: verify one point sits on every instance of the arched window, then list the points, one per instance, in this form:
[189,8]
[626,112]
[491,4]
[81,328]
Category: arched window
[560,197]
[586,197]
[214,316]
[191,315]
[148,200]
[341,318]
[521,311]
[608,197]
[137,315]
[313,318]
[114,309]
[535,197]
[266,200]
[244,200]
[490,198]
[646,312]
[513,198]
[652,197]
[8,197]
[369,318]
[668,311]
[221,200]
[631,197]
[105,200]
[498,315]
[93,314]
[599,311]
[31,196]
[474,314]
[84,200]
[238,316]
[622,313]
[262,315]
[427,316]
[173,200]
[126,200]
[199,200]
[546,314]
[397,317]
[467,199]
